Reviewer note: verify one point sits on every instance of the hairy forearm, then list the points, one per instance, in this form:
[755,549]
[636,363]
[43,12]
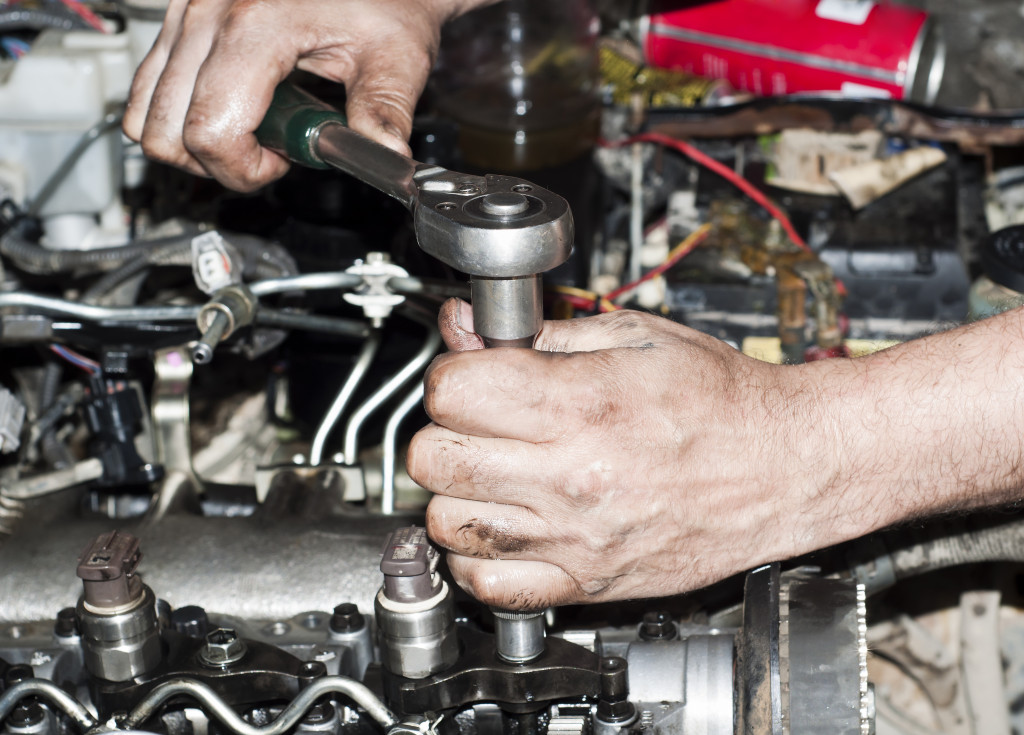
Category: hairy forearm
[931,426]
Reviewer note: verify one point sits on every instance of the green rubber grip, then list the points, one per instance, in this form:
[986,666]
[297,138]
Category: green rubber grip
[292,122]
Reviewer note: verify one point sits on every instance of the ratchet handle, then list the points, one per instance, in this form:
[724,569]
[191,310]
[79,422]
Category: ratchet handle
[293,122]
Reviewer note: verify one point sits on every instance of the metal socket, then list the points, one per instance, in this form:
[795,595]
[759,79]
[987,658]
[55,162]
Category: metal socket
[124,645]
[417,639]
[507,312]
[519,636]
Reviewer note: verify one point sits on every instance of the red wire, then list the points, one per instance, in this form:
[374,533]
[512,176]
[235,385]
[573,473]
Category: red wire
[577,302]
[658,270]
[722,170]
[86,14]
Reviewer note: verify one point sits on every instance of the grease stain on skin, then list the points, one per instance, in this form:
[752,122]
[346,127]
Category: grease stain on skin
[496,541]
[527,601]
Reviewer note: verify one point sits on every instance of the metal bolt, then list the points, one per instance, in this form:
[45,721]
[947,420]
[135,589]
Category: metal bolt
[191,620]
[346,619]
[446,207]
[522,188]
[26,715]
[657,626]
[613,704]
[67,623]
[223,647]
[504,204]
[17,673]
[468,189]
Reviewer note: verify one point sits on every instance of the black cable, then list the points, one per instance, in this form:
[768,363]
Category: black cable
[352,328]
[110,121]
[20,18]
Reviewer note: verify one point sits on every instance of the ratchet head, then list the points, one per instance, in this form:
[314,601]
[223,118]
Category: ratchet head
[491,226]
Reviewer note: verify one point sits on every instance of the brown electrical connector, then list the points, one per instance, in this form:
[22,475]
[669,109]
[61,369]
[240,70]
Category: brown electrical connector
[107,570]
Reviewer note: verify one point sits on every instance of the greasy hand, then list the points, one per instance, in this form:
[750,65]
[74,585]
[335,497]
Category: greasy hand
[209,78]
[627,456]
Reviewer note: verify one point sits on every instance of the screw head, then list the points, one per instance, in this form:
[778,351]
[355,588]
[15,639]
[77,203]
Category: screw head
[446,207]
[223,647]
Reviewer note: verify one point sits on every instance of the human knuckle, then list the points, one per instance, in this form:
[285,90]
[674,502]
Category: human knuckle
[440,390]
[417,462]
[438,527]
[160,147]
[197,136]
[486,586]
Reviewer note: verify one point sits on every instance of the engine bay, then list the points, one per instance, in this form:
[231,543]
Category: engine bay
[206,521]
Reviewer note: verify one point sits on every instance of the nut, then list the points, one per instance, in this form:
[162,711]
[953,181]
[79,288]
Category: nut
[223,647]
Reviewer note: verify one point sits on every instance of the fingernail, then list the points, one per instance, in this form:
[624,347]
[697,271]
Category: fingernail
[464,316]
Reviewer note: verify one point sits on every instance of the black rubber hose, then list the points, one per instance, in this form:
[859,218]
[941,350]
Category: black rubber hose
[260,260]
[883,560]
[42,261]
[962,545]
[263,260]
[19,18]
[351,328]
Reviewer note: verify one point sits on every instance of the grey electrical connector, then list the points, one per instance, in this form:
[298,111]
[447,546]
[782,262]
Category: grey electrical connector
[12,416]
[414,608]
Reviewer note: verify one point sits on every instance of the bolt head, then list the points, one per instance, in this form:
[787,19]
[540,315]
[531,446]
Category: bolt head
[504,204]
[657,626]
[223,647]
[346,619]
[67,623]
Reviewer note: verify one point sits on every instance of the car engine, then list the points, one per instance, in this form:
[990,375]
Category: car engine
[206,525]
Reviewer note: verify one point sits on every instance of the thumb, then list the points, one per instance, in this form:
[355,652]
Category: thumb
[455,320]
[589,334]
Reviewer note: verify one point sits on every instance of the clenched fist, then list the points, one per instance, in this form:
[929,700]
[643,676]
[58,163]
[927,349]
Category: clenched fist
[628,456]
[206,84]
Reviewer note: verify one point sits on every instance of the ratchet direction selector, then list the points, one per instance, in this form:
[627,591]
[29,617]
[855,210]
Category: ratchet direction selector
[501,230]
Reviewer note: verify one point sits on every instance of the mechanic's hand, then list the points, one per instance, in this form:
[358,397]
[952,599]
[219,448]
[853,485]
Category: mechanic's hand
[627,456]
[206,84]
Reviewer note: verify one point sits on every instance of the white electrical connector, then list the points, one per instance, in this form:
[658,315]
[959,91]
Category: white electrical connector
[374,296]
[12,416]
